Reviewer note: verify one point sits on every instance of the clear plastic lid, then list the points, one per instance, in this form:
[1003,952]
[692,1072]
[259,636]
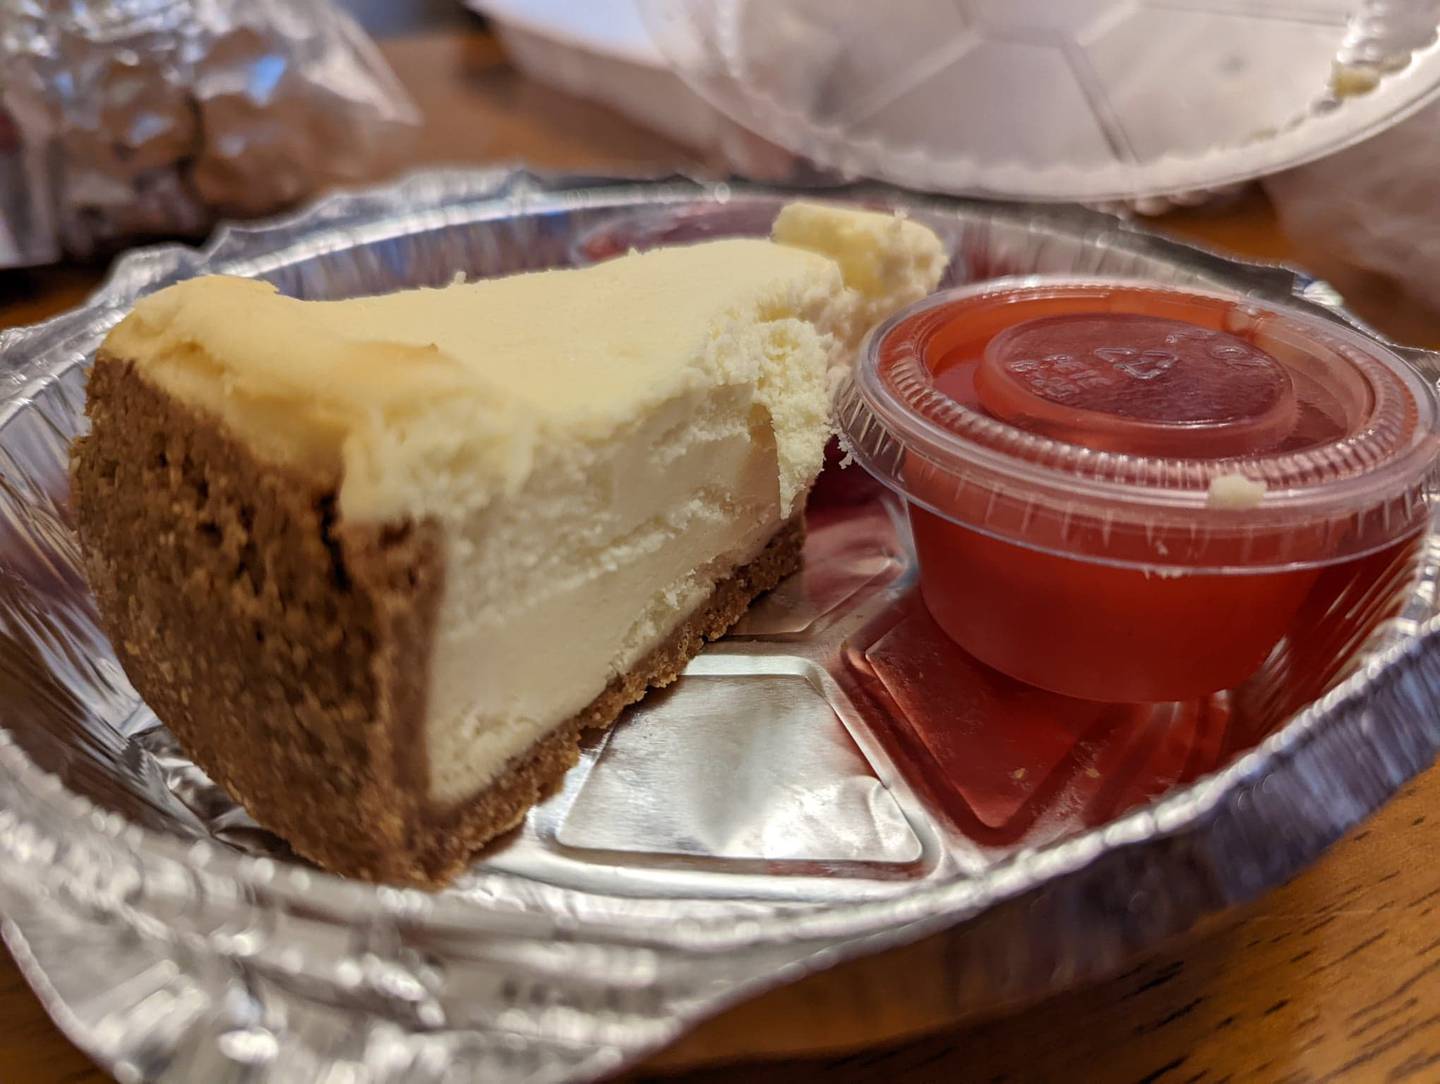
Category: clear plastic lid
[1132,423]
[1057,99]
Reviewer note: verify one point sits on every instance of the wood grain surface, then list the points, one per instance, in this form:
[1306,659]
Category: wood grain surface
[1334,977]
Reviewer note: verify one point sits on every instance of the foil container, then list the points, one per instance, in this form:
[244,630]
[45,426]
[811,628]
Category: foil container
[765,818]
[151,118]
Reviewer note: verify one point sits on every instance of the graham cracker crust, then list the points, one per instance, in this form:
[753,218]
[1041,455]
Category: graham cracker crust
[288,651]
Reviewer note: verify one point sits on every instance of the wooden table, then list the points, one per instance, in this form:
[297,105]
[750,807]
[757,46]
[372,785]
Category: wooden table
[1334,977]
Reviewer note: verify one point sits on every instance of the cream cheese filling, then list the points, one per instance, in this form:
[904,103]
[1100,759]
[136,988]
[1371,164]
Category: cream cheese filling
[552,595]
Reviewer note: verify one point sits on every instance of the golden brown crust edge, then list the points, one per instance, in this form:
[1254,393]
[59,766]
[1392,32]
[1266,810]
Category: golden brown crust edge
[287,652]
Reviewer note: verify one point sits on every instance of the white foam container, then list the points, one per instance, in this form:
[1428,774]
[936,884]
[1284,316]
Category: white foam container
[602,50]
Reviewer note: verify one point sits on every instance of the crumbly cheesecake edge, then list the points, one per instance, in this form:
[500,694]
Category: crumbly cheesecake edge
[287,650]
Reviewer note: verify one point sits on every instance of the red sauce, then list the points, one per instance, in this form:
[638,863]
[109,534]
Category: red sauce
[1009,762]
[1095,596]
[1096,631]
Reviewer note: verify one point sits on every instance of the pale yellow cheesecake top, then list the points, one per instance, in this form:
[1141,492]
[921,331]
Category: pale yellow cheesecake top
[382,392]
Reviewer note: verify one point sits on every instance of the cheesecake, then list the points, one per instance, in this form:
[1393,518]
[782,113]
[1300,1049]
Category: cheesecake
[379,563]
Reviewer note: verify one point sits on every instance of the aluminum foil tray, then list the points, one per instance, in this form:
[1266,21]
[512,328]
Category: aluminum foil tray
[832,779]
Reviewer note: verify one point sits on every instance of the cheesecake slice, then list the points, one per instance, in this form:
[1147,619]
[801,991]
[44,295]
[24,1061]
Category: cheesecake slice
[379,563]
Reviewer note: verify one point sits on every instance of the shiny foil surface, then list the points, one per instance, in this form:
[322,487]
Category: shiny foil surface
[145,118]
[833,778]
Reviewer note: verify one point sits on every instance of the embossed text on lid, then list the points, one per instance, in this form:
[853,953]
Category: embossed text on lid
[1138,384]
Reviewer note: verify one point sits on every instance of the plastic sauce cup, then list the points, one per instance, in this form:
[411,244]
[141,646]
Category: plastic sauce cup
[1126,492]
